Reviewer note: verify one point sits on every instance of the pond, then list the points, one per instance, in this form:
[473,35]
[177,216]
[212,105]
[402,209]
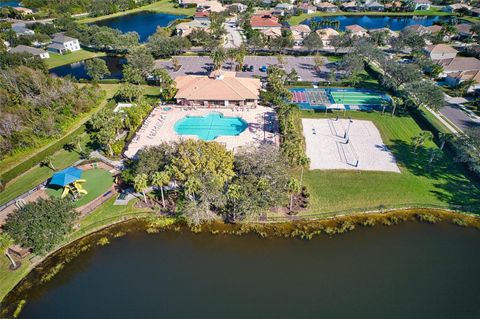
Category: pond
[411,270]
[10,4]
[374,22]
[144,23]
[79,72]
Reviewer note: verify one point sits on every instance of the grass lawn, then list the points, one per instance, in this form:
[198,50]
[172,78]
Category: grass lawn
[163,6]
[98,181]
[442,185]
[58,59]
[294,20]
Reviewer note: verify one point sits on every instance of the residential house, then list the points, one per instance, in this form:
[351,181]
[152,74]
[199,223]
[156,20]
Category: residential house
[350,6]
[422,4]
[393,6]
[456,78]
[307,8]
[299,33]
[219,89]
[42,54]
[201,16]
[357,30]
[440,51]
[62,44]
[212,6]
[271,33]
[327,7]
[240,7]
[374,6]
[23,11]
[475,12]
[455,7]
[21,30]
[459,64]
[264,21]
[464,30]
[282,9]
[327,35]
[183,29]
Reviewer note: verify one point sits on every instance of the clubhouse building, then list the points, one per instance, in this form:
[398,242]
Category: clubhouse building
[218,90]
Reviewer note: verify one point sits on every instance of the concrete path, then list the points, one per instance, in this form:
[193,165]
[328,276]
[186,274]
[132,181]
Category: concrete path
[233,37]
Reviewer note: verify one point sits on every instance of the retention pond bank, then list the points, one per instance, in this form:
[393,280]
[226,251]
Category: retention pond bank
[412,270]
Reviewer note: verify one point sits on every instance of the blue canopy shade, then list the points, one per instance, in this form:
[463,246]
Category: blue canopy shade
[66,176]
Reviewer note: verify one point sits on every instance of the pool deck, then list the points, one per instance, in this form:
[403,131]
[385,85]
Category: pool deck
[159,128]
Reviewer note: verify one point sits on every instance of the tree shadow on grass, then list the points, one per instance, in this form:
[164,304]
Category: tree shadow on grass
[453,186]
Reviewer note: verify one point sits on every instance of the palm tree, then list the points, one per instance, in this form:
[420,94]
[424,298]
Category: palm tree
[48,162]
[233,194]
[293,187]
[176,64]
[303,161]
[218,57]
[420,140]
[240,54]
[434,153]
[140,183]
[319,62]
[5,242]
[77,142]
[160,179]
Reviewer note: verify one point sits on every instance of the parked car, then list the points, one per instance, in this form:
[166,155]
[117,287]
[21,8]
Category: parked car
[250,68]
[244,67]
[263,68]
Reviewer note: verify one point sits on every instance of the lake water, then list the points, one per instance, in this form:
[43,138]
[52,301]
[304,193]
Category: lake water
[144,23]
[410,271]
[78,70]
[374,22]
[10,4]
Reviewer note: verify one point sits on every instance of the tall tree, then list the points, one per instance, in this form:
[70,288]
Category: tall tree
[166,83]
[160,179]
[421,139]
[140,184]
[42,224]
[313,42]
[97,69]
[218,57]
[293,187]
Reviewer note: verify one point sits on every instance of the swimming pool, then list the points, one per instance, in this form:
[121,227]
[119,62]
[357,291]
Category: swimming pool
[211,126]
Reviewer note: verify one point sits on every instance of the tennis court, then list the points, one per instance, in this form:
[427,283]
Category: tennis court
[357,97]
[331,98]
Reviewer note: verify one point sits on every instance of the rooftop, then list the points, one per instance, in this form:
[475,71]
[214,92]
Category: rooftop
[440,48]
[219,86]
[264,21]
[26,49]
[460,64]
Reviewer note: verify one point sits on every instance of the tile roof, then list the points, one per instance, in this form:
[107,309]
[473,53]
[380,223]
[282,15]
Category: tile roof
[225,88]
[440,48]
[460,64]
[26,49]
[355,28]
[466,75]
[264,21]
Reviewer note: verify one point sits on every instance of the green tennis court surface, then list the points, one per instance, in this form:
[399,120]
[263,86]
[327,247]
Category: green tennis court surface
[357,98]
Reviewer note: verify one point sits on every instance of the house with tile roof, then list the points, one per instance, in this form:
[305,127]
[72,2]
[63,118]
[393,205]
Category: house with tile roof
[219,89]
[327,7]
[422,4]
[264,21]
[357,30]
[440,51]
[459,64]
[327,35]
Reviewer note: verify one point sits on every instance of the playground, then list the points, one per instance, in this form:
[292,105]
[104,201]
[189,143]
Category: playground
[93,183]
[338,98]
[346,144]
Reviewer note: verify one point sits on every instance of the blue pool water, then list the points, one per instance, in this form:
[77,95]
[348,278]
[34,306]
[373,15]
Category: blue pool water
[211,126]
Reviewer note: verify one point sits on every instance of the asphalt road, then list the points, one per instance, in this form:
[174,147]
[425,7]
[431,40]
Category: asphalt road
[458,117]
[234,38]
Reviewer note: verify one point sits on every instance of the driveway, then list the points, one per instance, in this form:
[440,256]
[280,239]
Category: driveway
[458,117]
[197,65]
[233,36]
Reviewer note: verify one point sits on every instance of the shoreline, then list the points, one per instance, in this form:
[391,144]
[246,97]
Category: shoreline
[304,228]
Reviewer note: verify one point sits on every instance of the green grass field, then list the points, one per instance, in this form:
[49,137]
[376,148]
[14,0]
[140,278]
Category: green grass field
[163,6]
[441,185]
[98,181]
[56,60]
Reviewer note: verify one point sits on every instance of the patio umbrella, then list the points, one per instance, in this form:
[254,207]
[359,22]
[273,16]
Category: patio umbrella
[66,176]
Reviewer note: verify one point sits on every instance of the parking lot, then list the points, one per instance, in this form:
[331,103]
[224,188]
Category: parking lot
[198,65]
